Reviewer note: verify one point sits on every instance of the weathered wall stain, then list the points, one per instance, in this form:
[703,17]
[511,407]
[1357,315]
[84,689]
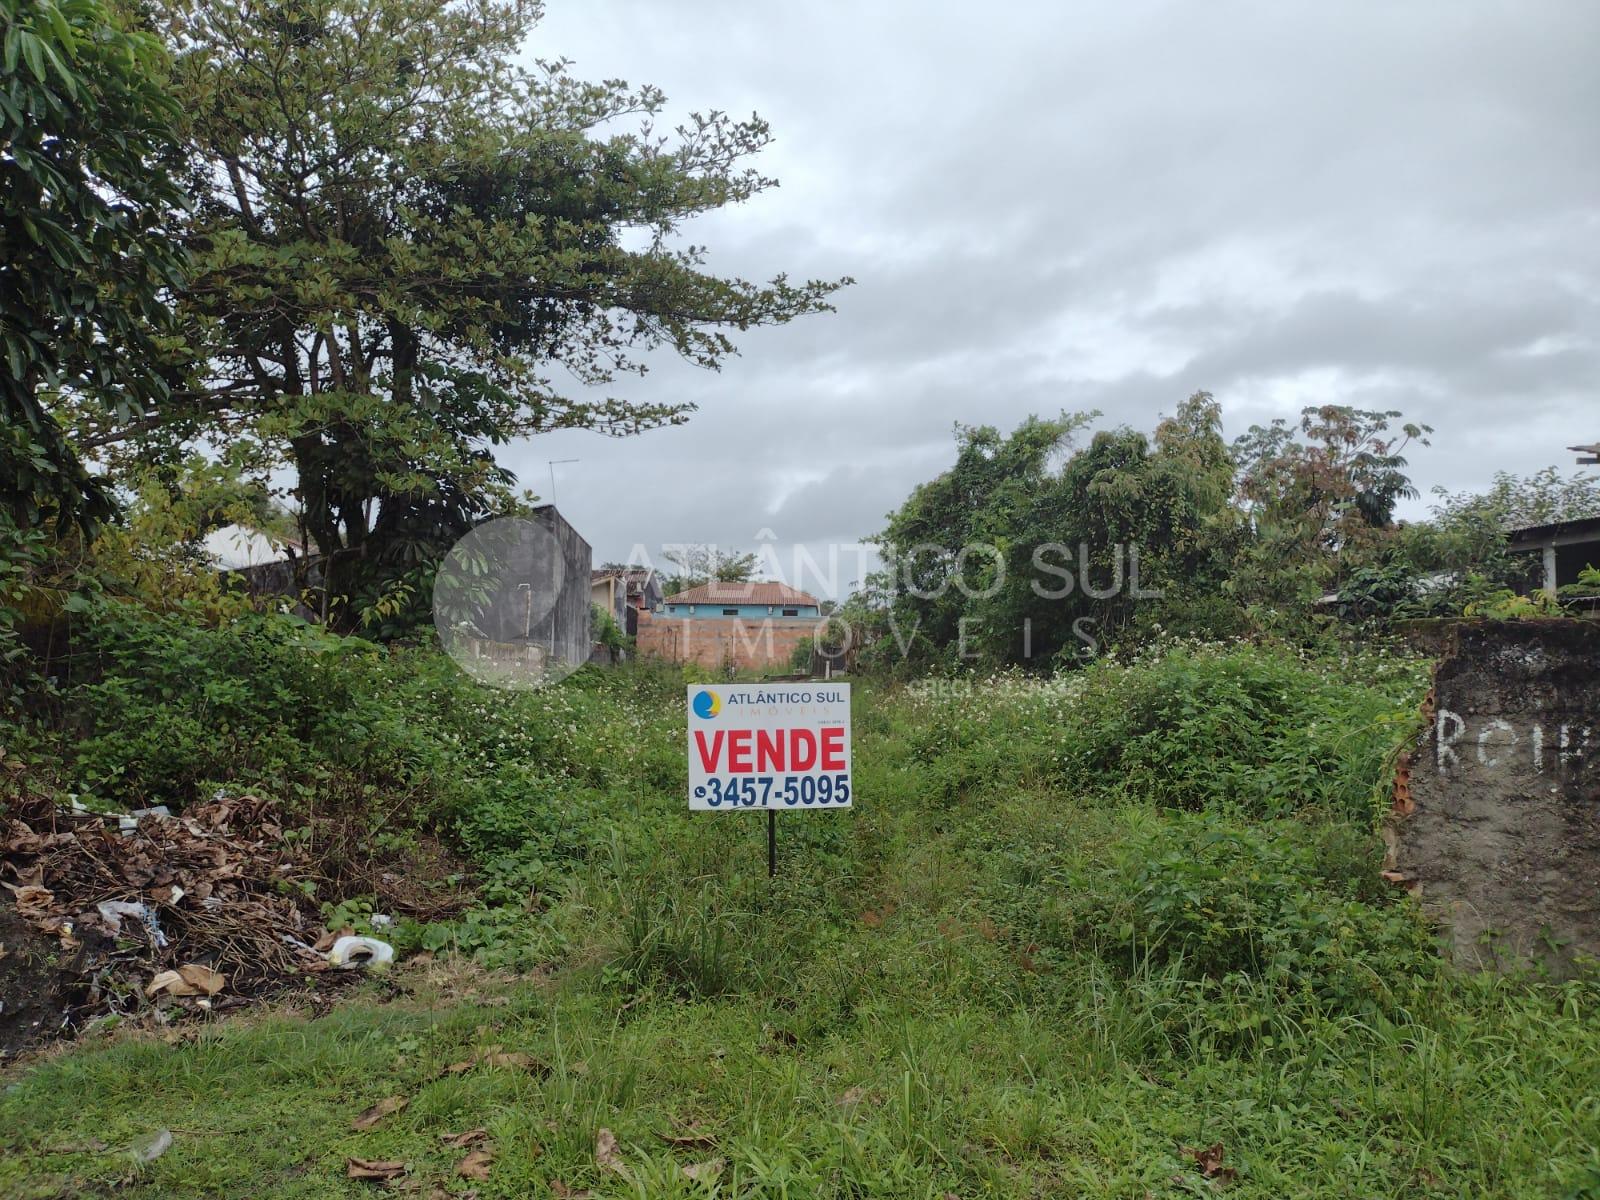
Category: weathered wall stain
[1502,842]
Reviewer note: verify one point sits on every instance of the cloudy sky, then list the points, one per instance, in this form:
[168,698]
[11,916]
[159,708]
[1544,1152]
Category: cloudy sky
[1109,205]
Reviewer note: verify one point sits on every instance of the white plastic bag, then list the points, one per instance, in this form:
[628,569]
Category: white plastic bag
[351,953]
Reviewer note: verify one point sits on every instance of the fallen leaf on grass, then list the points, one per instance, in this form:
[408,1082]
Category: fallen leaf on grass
[493,1056]
[476,1165]
[562,1192]
[383,1108]
[607,1155]
[691,1138]
[374,1169]
[874,918]
[1209,1161]
[704,1171]
[851,1096]
[467,1137]
[516,1058]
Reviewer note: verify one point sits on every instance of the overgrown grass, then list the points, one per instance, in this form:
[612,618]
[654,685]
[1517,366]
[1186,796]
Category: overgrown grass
[1066,933]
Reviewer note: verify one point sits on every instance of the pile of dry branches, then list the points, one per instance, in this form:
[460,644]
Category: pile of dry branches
[226,890]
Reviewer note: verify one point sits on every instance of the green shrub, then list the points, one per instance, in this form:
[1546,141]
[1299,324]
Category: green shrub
[1300,908]
[269,703]
[1250,729]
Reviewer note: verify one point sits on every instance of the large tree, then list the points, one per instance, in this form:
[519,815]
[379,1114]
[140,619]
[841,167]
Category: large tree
[1335,477]
[402,234]
[86,251]
[1321,496]
[1028,551]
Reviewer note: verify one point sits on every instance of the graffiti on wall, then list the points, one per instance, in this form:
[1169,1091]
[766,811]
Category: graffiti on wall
[1493,740]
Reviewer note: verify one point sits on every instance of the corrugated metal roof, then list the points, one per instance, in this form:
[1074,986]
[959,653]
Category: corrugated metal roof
[1523,533]
[754,592]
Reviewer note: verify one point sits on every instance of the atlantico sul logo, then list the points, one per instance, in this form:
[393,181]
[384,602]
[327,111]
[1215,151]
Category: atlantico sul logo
[707,704]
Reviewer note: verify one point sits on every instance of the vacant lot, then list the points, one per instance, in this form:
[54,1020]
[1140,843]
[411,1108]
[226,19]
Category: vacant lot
[1119,935]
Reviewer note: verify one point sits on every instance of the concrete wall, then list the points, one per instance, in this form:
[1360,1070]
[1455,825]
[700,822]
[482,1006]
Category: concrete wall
[717,642]
[1497,822]
[569,634]
[531,569]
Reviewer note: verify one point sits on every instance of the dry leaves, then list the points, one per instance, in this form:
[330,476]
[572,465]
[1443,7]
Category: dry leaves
[493,1056]
[1209,1162]
[517,1060]
[214,876]
[34,903]
[380,1110]
[219,869]
[874,918]
[606,1154]
[325,943]
[467,1137]
[191,979]
[691,1138]
[562,1192]
[851,1096]
[373,1169]
[476,1164]
[705,1171]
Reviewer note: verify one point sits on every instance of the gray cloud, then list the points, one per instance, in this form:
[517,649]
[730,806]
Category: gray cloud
[1110,205]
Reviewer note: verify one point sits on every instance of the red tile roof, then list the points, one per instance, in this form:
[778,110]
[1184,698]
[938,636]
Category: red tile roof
[758,592]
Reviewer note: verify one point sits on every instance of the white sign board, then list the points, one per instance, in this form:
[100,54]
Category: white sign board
[769,746]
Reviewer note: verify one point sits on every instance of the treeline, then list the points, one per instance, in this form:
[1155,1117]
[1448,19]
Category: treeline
[1034,550]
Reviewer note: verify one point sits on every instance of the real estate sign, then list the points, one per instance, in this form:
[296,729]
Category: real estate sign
[769,746]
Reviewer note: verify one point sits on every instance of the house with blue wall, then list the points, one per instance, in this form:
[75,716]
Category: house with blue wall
[754,601]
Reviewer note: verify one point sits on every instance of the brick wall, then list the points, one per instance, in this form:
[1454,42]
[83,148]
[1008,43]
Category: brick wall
[740,642]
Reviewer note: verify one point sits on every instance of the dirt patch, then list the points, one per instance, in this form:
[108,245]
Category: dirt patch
[1500,835]
[41,983]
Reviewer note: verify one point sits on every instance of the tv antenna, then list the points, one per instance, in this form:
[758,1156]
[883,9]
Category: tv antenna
[553,464]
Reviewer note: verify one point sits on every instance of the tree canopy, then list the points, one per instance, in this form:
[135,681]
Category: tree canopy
[87,247]
[693,565]
[1026,550]
[404,240]
[1030,551]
